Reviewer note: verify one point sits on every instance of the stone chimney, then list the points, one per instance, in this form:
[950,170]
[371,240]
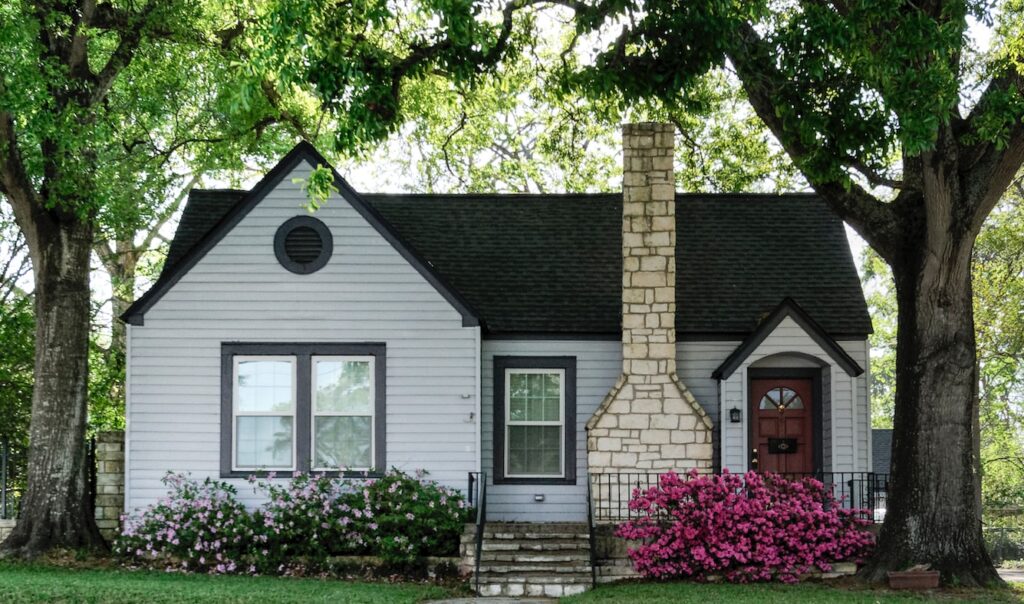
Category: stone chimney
[649,422]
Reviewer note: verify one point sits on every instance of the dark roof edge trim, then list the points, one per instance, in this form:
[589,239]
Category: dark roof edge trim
[303,151]
[787,308]
[682,336]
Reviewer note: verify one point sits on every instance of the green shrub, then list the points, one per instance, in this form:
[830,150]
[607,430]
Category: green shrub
[304,523]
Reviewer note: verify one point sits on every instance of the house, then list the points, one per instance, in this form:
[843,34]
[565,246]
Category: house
[554,342]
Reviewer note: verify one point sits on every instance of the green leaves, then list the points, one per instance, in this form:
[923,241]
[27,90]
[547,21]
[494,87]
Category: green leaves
[319,186]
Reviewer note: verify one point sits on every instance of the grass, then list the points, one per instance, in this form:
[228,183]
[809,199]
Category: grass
[40,583]
[704,593]
[28,583]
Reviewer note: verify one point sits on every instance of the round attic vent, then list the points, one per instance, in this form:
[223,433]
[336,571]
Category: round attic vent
[303,245]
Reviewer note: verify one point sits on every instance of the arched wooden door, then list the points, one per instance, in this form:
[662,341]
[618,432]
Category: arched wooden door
[783,426]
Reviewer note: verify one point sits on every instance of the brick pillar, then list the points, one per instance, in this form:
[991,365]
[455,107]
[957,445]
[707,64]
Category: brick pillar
[109,482]
[649,422]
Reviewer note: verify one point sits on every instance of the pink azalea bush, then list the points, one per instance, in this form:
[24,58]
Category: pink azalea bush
[753,527]
[201,526]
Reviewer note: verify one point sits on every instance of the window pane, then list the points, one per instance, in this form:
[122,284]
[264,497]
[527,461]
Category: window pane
[343,387]
[343,442]
[263,442]
[518,396]
[264,386]
[535,450]
[552,385]
[535,397]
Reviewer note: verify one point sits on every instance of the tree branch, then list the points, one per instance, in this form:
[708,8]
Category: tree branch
[989,167]
[15,183]
[874,220]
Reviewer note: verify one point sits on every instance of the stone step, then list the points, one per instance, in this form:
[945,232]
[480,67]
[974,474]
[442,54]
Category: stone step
[553,590]
[536,527]
[491,570]
[535,536]
[535,558]
[534,546]
[528,549]
[536,577]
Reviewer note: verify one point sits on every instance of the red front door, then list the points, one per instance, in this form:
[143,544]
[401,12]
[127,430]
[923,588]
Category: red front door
[783,430]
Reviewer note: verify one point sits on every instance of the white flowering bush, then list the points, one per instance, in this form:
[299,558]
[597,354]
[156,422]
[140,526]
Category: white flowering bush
[201,526]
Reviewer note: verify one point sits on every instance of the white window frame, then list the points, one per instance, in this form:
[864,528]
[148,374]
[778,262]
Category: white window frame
[313,414]
[235,414]
[509,372]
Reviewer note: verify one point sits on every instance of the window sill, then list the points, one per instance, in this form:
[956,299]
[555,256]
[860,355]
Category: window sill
[538,480]
[288,474]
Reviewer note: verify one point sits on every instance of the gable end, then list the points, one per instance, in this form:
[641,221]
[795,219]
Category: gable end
[788,308]
[304,151]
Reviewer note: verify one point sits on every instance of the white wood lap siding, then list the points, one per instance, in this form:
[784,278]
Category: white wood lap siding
[238,292]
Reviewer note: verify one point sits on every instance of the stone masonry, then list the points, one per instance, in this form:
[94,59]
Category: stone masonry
[649,422]
[109,482]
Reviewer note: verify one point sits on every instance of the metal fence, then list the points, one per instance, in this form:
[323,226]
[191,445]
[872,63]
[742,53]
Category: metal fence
[9,494]
[611,492]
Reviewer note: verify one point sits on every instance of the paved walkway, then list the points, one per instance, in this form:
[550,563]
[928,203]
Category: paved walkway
[1012,575]
[498,600]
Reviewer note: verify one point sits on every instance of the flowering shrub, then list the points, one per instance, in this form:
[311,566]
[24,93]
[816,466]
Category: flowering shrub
[744,528]
[413,517]
[305,522]
[199,526]
[311,517]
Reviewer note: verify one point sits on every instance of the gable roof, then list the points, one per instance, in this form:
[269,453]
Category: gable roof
[550,265]
[787,308]
[208,224]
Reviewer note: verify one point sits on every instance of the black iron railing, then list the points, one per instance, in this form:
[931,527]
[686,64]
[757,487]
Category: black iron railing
[611,492]
[9,494]
[477,496]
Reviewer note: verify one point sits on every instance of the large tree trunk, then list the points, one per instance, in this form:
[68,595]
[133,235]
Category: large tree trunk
[934,511]
[56,510]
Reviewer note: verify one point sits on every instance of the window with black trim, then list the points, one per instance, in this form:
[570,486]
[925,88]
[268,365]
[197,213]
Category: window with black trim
[303,244]
[535,420]
[303,407]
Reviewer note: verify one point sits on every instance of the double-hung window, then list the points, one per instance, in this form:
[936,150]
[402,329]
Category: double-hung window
[343,396]
[535,416]
[264,412]
[302,407]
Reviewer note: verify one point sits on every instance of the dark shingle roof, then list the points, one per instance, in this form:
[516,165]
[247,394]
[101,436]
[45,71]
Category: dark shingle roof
[551,263]
[204,208]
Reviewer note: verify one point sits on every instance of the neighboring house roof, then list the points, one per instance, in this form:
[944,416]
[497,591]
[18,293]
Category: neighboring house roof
[788,308]
[881,450]
[551,264]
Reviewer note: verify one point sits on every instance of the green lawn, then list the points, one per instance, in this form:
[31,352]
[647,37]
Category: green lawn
[41,583]
[684,593]
[38,583]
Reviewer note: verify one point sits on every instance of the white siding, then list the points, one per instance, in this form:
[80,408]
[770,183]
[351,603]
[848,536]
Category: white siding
[847,442]
[239,292]
[598,365]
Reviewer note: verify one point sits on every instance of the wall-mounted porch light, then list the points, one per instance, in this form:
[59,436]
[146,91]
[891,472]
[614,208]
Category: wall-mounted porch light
[735,415]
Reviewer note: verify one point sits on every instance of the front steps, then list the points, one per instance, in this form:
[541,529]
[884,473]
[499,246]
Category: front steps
[531,559]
